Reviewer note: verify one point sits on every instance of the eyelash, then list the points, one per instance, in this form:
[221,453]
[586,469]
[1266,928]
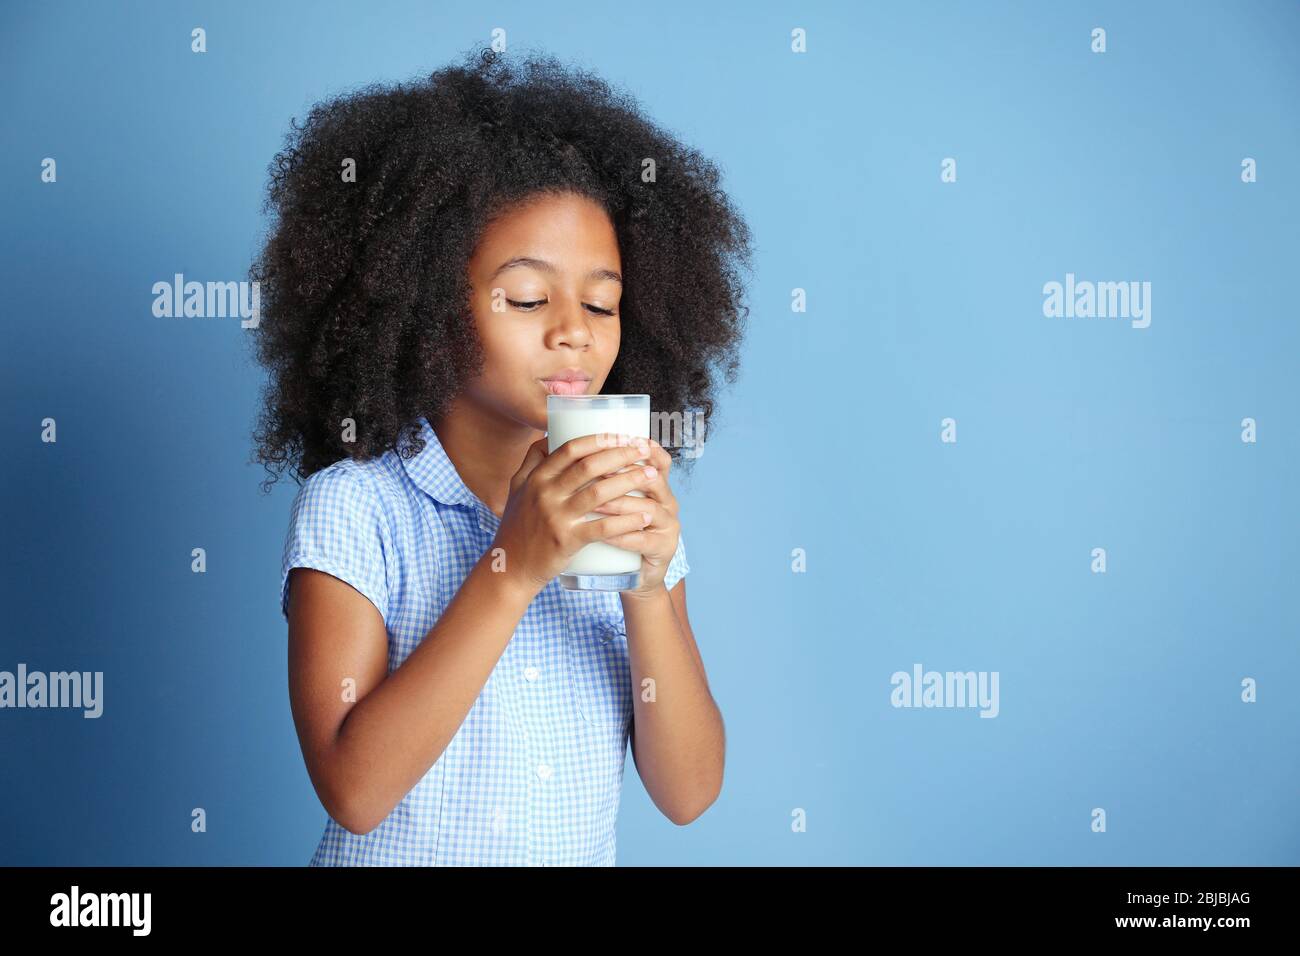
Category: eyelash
[536,302]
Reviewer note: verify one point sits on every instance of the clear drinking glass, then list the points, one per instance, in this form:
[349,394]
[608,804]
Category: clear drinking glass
[598,565]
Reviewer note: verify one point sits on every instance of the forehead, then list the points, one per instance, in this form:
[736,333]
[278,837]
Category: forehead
[568,230]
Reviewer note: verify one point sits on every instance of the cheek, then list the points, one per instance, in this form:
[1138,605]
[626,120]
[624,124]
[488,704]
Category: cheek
[509,355]
[609,340]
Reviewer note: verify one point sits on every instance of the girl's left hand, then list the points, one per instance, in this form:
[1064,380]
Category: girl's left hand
[657,541]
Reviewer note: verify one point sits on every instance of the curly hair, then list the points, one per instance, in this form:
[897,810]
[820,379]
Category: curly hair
[364,285]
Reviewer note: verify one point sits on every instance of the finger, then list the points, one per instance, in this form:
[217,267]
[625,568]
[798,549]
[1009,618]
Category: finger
[606,461]
[613,526]
[631,504]
[595,494]
[643,542]
[535,455]
[658,489]
[660,458]
[657,456]
[575,449]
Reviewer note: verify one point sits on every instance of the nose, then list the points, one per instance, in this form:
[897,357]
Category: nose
[571,326]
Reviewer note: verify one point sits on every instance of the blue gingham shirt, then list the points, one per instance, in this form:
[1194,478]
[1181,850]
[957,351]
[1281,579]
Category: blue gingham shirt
[534,774]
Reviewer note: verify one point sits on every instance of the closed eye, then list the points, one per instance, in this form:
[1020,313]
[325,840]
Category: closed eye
[530,306]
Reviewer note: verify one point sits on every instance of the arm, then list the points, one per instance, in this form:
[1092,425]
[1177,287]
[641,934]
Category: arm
[365,753]
[678,739]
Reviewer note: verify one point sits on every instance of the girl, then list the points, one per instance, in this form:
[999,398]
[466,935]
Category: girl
[445,254]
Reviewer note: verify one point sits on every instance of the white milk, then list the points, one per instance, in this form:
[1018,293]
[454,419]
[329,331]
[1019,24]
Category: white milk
[572,416]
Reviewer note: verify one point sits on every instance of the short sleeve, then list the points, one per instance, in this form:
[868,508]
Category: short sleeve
[677,567]
[337,526]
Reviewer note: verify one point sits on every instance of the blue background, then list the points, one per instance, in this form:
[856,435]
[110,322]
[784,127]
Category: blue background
[1118,690]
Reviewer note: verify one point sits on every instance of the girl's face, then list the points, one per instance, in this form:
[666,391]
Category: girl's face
[546,285]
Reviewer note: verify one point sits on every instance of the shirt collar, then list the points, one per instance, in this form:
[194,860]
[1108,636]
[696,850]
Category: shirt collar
[433,472]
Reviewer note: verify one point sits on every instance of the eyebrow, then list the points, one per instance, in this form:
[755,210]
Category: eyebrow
[541,265]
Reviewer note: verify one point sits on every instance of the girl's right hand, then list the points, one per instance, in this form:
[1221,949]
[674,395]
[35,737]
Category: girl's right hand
[544,525]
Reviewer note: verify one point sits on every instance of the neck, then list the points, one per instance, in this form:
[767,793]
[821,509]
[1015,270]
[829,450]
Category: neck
[485,447]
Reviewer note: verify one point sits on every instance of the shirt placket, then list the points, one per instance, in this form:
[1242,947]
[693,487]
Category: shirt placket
[541,769]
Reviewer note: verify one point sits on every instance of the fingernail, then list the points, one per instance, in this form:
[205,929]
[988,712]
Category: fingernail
[651,471]
[645,517]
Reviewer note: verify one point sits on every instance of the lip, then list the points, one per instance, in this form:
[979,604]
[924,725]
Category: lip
[568,375]
[554,386]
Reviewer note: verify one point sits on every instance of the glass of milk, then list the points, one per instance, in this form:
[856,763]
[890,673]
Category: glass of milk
[599,566]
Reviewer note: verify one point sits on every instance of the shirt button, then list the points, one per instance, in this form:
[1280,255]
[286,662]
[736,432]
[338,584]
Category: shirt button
[530,673]
[544,771]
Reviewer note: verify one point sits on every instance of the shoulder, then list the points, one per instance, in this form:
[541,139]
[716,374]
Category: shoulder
[350,487]
[348,505]
[344,521]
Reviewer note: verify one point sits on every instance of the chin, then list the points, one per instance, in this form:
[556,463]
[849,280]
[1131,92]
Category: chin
[536,417]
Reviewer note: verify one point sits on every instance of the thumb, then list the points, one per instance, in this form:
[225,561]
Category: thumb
[535,456]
